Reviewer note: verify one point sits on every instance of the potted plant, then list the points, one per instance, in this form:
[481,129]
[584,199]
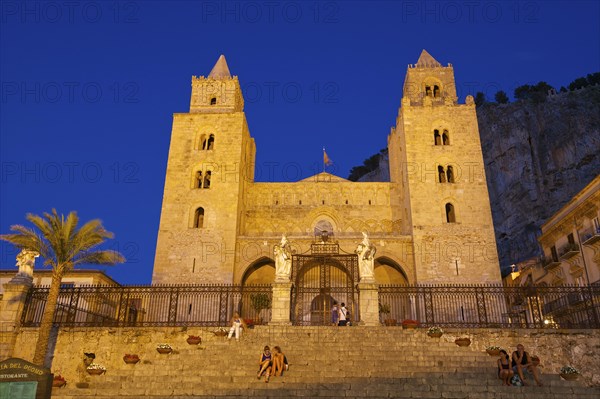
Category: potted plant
[569,373]
[435,332]
[131,359]
[96,369]
[164,348]
[58,381]
[464,341]
[493,350]
[259,302]
[384,308]
[249,323]
[408,323]
[193,339]
[220,332]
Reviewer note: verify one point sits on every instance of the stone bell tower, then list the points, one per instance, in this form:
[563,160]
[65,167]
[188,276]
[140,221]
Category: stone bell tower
[437,163]
[210,163]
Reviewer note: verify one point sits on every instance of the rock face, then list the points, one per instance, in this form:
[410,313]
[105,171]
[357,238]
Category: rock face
[537,157]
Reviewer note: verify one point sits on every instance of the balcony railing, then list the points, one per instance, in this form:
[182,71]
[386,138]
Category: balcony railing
[549,263]
[590,236]
[568,251]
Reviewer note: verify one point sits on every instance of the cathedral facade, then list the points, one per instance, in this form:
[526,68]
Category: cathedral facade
[430,224]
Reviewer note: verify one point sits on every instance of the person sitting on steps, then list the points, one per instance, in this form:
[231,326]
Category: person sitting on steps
[505,372]
[237,323]
[265,363]
[521,360]
[280,363]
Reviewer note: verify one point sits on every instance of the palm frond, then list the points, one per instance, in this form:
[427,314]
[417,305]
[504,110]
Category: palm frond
[102,257]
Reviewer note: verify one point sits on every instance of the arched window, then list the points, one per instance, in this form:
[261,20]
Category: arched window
[428,91]
[202,142]
[207,179]
[450,174]
[445,138]
[199,218]
[441,174]
[450,215]
[436,91]
[213,101]
[211,142]
[437,139]
[198,179]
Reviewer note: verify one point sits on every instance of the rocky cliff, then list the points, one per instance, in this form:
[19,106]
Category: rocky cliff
[537,155]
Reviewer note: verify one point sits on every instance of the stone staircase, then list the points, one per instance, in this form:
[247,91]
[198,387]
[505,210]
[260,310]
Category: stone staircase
[353,362]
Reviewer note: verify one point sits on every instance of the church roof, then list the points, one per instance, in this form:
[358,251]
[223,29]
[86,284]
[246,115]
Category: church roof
[427,61]
[325,177]
[220,70]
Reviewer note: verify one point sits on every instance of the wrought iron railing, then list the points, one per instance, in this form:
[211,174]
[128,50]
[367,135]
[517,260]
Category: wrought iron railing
[489,306]
[168,305]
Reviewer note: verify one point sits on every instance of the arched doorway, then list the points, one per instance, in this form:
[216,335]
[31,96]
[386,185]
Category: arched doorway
[389,272]
[320,279]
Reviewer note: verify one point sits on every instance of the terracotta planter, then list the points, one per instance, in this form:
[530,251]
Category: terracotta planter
[390,322]
[220,333]
[410,324]
[192,340]
[462,341]
[435,334]
[569,377]
[95,371]
[59,382]
[131,359]
[164,350]
[493,352]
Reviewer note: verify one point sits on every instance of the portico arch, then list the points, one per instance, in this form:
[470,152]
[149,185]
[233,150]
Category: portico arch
[388,271]
[261,271]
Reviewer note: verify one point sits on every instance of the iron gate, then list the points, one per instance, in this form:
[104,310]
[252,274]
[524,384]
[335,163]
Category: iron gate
[319,279]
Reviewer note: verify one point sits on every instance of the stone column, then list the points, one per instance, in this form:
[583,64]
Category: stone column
[369,303]
[11,309]
[280,310]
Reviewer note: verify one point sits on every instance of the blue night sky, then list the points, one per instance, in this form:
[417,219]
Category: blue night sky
[88,89]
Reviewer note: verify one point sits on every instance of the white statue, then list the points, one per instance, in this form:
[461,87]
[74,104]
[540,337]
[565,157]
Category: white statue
[283,260]
[366,259]
[25,262]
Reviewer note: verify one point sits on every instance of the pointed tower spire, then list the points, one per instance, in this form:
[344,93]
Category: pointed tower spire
[220,70]
[427,61]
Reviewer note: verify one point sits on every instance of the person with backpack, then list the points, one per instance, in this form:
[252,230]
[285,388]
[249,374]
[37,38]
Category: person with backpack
[343,313]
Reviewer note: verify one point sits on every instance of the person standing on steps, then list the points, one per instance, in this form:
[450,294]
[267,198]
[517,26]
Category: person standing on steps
[237,323]
[343,313]
[505,372]
[335,314]
[265,363]
[521,360]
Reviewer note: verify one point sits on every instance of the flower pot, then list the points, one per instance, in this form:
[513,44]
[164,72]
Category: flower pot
[570,377]
[390,322]
[410,324]
[435,334]
[131,359]
[194,340]
[493,352]
[58,382]
[95,371]
[220,333]
[164,350]
[462,341]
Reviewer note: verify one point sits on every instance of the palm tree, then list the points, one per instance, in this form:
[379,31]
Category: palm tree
[62,246]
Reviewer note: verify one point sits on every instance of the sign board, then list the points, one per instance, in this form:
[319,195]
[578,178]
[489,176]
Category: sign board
[20,379]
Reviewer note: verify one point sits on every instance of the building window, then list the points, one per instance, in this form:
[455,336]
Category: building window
[437,139]
[428,91]
[436,91]
[554,253]
[571,238]
[202,179]
[450,174]
[199,218]
[207,143]
[213,101]
[445,138]
[450,215]
[441,174]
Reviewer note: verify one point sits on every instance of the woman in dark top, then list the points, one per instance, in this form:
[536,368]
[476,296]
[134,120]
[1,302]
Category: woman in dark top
[505,372]
[265,363]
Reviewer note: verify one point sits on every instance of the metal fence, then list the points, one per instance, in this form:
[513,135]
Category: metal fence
[172,305]
[475,306]
[487,306]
